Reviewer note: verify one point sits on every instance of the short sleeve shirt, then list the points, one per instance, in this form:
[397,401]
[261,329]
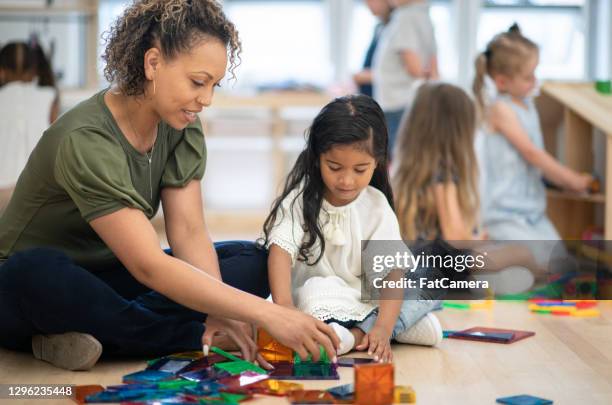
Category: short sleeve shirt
[332,287]
[410,29]
[84,168]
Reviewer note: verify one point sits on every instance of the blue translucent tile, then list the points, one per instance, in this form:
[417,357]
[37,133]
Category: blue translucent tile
[524,400]
[205,388]
[170,364]
[147,376]
[115,396]
[345,391]
[131,387]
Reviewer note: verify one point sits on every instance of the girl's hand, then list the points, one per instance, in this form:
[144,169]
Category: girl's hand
[300,332]
[581,183]
[378,344]
[239,332]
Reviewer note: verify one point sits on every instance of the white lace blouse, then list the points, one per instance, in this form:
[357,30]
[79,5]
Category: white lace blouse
[331,289]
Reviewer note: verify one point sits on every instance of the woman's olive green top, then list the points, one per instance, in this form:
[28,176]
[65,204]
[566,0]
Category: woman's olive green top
[84,168]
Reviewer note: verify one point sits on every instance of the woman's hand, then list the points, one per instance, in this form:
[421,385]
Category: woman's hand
[378,344]
[300,332]
[239,332]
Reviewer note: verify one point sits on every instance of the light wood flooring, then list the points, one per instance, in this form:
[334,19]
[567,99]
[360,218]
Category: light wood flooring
[569,360]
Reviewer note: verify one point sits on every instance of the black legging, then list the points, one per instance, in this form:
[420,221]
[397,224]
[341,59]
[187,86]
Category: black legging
[44,291]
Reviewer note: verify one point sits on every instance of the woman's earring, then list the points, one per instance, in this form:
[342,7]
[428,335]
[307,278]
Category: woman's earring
[153,86]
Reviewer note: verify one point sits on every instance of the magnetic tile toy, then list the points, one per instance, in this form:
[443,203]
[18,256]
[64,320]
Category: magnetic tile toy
[311,397]
[524,400]
[147,376]
[272,350]
[374,384]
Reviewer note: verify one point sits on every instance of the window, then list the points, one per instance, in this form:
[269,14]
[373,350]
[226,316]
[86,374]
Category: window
[108,12]
[362,29]
[290,41]
[557,26]
[61,35]
[282,42]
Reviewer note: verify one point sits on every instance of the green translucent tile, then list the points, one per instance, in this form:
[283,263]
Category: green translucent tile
[212,401]
[176,384]
[309,369]
[245,365]
[225,354]
[232,398]
[323,357]
[237,367]
[455,305]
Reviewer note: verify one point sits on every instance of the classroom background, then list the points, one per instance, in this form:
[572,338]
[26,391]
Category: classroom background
[296,56]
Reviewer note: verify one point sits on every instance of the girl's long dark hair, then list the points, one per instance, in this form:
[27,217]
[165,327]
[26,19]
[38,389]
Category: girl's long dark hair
[348,120]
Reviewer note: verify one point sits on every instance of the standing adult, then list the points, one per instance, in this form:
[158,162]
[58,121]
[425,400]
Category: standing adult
[381,10]
[406,55]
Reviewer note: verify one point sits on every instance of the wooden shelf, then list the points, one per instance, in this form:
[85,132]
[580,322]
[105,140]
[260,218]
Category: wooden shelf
[593,198]
[578,109]
[584,100]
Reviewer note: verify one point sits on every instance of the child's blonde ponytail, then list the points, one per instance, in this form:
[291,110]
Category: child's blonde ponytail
[479,83]
[505,54]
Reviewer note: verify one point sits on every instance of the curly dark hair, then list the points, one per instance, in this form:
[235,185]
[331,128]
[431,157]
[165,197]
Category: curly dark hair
[173,25]
[350,120]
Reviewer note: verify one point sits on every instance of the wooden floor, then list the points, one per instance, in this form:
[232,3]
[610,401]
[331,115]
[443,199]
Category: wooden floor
[569,360]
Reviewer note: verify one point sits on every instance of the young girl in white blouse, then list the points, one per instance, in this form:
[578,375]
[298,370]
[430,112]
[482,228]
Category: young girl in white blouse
[337,195]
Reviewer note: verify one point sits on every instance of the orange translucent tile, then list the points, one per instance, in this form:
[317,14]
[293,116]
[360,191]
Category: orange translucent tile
[82,391]
[374,384]
[311,397]
[275,387]
[271,350]
[404,394]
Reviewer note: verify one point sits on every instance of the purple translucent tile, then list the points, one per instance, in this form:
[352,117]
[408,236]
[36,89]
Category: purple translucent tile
[351,361]
[304,371]
[204,362]
[204,374]
[243,379]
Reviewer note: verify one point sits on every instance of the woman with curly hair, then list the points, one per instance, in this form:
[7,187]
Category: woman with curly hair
[81,265]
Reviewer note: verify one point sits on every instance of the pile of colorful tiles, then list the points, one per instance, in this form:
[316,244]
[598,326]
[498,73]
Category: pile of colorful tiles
[577,308]
[222,378]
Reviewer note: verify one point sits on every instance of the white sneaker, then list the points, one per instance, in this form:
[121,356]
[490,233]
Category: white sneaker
[426,332]
[347,340]
[511,280]
[70,351]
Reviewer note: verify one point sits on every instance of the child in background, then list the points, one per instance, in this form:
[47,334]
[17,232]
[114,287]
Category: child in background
[28,108]
[406,54]
[515,155]
[435,171]
[435,182]
[337,195]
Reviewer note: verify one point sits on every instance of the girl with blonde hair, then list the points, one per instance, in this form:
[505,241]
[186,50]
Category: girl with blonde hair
[435,171]
[515,160]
